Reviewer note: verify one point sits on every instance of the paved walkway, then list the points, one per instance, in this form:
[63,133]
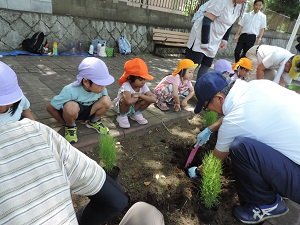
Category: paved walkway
[42,77]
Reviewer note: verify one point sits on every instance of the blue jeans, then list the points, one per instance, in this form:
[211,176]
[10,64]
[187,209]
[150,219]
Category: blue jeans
[262,171]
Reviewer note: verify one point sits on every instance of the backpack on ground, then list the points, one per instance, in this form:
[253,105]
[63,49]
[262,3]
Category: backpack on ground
[36,43]
[200,12]
[124,45]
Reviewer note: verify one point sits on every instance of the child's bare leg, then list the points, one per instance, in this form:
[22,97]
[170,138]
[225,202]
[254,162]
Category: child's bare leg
[100,107]
[141,105]
[70,113]
[55,114]
[123,106]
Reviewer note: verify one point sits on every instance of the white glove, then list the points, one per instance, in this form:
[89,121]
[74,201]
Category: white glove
[203,137]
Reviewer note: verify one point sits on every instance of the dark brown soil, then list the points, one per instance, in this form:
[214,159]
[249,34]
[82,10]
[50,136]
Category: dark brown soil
[152,170]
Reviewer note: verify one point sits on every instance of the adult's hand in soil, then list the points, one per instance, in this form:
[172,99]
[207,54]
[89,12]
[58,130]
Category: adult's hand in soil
[192,172]
[203,137]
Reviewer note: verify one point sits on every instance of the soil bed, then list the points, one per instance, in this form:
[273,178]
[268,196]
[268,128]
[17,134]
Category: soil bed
[152,170]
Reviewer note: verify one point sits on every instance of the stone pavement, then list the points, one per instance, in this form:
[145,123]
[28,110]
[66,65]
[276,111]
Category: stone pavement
[42,77]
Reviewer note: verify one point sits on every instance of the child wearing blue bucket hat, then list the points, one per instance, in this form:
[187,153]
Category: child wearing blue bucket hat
[86,99]
[14,105]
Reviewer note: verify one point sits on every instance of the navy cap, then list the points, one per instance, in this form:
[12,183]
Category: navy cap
[207,86]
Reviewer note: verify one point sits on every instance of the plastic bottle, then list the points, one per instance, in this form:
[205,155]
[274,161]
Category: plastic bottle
[79,48]
[91,50]
[54,51]
[102,51]
[98,48]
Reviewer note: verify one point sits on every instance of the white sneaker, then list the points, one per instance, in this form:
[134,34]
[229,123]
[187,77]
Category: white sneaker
[123,121]
[139,118]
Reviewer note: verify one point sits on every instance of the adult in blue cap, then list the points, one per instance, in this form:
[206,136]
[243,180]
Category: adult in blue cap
[260,131]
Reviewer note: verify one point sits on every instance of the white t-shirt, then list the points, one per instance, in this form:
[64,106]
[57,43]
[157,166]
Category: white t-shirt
[253,22]
[127,87]
[226,14]
[264,111]
[273,57]
[6,117]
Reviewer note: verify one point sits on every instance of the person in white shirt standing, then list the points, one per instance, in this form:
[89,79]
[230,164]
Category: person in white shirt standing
[250,30]
[211,32]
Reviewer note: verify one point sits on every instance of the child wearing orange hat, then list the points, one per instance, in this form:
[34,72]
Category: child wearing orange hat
[178,84]
[134,96]
[241,68]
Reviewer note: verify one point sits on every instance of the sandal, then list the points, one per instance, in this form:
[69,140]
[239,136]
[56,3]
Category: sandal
[162,106]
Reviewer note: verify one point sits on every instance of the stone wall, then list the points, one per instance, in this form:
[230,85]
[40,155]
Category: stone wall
[68,29]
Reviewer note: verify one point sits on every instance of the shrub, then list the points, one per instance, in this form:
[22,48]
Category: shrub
[209,118]
[107,151]
[211,180]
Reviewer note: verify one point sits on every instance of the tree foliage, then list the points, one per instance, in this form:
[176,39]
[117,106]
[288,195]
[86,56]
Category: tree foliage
[290,8]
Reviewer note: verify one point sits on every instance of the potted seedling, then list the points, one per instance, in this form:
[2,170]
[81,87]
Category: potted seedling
[210,187]
[108,155]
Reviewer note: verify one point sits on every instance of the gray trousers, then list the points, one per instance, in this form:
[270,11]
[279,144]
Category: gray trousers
[142,213]
[252,55]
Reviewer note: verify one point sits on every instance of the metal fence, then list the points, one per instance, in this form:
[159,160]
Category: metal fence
[182,7]
[275,21]
[279,22]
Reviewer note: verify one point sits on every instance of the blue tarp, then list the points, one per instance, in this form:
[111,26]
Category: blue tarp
[18,52]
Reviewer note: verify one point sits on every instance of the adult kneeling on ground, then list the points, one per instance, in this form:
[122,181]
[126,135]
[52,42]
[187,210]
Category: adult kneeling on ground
[260,130]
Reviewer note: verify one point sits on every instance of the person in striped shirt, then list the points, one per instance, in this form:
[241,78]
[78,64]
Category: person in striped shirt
[39,172]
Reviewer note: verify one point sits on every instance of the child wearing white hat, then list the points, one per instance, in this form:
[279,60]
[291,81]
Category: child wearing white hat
[14,105]
[85,99]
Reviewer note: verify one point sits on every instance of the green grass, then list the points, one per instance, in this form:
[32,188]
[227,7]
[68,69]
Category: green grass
[294,87]
[211,180]
[107,151]
[209,118]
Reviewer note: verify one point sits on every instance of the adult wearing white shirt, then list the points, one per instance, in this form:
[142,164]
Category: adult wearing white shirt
[273,63]
[260,132]
[250,30]
[211,32]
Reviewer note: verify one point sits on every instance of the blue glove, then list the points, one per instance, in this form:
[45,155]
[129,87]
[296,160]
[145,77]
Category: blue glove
[203,137]
[192,172]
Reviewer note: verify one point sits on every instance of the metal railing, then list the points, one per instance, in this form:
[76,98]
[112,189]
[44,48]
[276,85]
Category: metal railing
[183,7]
[275,21]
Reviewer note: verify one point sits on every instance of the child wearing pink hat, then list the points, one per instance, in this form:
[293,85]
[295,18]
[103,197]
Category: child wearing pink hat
[178,84]
[84,99]
[14,105]
[134,96]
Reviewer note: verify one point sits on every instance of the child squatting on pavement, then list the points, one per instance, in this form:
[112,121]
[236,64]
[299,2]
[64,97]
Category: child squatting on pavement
[175,86]
[14,105]
[84,99]
[134,96]
[264,149]
[241,69]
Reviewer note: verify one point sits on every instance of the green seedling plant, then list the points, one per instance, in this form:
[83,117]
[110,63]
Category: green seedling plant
[294,87]
[209,118]
[107,151]
[211,180]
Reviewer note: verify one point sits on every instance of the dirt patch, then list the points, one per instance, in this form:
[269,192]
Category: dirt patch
[152,170]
